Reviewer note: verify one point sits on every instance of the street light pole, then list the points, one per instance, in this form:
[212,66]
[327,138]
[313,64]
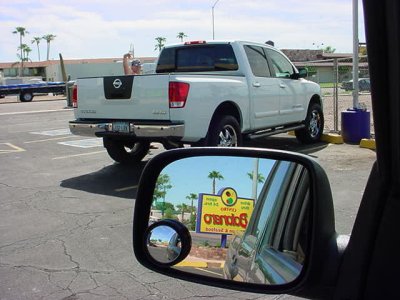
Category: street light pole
[212,9]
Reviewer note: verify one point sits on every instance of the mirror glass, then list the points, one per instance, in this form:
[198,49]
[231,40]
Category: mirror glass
[164,244]
[248,217]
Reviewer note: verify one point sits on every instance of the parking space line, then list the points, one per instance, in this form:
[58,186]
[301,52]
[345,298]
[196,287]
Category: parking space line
[14,148]
[46,140]
[54,132]
[32,112]
[211,272]
[86,143]
[75,155]
[126,188]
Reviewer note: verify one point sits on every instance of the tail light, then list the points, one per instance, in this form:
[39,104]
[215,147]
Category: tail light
[178,92]
[75,96]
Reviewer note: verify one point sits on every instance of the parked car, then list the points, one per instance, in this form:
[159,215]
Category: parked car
[364,265]
[364,85]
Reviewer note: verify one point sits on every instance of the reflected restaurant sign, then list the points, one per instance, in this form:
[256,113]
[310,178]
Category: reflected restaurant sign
[224,213]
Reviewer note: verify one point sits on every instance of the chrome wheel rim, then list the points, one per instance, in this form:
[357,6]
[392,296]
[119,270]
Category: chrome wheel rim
[227,137]
[315,124]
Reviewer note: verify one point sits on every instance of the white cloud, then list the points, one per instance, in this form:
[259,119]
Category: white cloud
[99,28]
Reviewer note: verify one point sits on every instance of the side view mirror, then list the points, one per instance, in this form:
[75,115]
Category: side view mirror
[303,73]
[236,218]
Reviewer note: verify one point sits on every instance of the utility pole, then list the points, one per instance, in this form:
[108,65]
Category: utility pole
[355,54]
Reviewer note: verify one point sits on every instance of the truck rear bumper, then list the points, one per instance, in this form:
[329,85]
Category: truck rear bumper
[88,128]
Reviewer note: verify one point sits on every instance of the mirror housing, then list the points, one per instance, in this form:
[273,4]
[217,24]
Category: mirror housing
[302,73]
[316,277]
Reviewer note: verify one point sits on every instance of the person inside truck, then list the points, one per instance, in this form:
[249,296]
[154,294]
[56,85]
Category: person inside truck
[131,68]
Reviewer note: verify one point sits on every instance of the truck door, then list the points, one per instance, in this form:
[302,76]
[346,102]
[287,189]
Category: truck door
[264,90]
[292,91]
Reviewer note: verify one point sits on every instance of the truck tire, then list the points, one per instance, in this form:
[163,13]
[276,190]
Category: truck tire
[314,125]
[26,96]
[224,131]
[125,152]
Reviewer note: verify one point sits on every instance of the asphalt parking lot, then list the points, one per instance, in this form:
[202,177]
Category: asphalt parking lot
[66,210]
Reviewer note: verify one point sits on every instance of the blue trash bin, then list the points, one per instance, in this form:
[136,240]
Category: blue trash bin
[356,125]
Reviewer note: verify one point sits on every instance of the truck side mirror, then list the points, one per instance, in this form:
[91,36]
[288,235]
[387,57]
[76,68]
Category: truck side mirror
[303,73]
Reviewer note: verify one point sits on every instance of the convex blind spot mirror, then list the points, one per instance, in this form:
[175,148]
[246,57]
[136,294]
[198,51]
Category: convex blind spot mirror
[235,215]
[168,242]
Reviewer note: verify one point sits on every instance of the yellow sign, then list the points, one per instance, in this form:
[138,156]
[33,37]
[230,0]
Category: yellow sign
[224,213]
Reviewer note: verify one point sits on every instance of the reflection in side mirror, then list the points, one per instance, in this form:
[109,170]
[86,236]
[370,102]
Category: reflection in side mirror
[248,218]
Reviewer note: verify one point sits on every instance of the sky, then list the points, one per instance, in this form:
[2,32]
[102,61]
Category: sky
[107,29]
[190,175]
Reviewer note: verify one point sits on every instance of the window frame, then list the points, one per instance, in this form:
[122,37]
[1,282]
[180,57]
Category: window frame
[271,61]
[264,54]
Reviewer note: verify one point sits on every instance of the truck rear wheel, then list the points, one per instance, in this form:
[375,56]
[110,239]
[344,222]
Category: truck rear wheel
[314,122]
[125,152]
[224,132]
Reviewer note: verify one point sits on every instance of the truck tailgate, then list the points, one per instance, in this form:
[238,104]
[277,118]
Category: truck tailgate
[123,97]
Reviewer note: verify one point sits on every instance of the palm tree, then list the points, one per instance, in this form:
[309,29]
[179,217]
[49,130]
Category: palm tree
[25,52]
[329,49]
[215,175]
[260,177]
[48,38]
[21,31]
[183,208]
[160,43]
[37,40]
[191,197]
[181,36]
[160,191]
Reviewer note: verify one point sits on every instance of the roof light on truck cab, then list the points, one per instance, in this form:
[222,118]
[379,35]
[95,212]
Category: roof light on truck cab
[178,92]
[195,42]
[75,96]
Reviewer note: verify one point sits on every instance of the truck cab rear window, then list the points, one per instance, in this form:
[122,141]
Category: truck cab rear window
[197,59]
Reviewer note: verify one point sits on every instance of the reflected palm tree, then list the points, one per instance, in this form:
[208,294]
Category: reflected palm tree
[192,197]
[215,175]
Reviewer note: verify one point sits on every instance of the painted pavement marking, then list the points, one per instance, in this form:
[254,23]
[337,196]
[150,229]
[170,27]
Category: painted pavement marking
[76,155]
[9,148]
[86,143]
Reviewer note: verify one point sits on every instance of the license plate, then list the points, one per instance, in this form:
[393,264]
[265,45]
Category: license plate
[121,127]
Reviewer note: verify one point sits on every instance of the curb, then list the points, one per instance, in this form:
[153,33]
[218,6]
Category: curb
[201,264]
[368,143]
[334,138]
[194,264]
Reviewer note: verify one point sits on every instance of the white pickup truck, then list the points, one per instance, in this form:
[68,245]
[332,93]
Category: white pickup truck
[212,93]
